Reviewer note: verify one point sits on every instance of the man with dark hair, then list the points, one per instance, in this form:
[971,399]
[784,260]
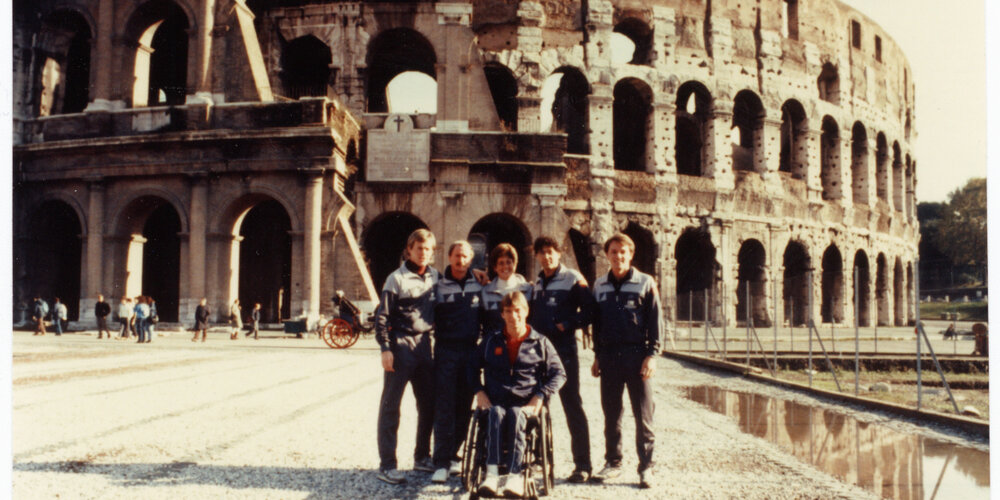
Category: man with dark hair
[626,342]
[404,323]
[513,373]
[38,312]
[560,304]
[101,311]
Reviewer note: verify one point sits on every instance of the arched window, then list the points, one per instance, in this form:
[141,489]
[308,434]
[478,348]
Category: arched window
[829,84]
[63,64]
[633,101]
[830,159]
[569,111]
[692,115]
[859,163]
[641,36]
[794,149]
[897,178]
[160,31]
[750,289]
[503,88]
[305,68]
[881,167]
[393,52]
[748,128]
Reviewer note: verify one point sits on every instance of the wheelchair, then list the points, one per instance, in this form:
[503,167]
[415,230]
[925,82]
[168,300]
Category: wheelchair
[537,455]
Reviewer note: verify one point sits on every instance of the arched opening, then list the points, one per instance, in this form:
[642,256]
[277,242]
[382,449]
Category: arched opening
[862,289]
[794,148]
[899,299]
[906,127]
[160,31]
[52,256]
[748,137]
[305,69]
[881,167]
[830,159]
[694,104]
[909,187]
[882,289]
[795,288]
[503,88]
[393,52]
[266,261]
[384,243]
[751,289]
[498,228]
[584,253]
[696,273]
[645,248]
[570,109]
[633,101]
[161,260]
[912,301]
[897,178]
[641,36]
[152,253]
[828,84]
[859,163]
[832,307]
[412,92]
[62,64]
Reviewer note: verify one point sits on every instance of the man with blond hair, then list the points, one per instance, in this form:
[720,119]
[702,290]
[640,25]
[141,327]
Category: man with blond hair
[404,324]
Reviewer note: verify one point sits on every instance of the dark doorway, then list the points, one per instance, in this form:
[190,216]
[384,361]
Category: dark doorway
[583,251]
[862,288]
[859,163]
[161,261]
[168,63]
[503,88]
[499,228]
[899,300]
[62,64]
[305,68]
[832,306]
[748,119]
[794,127]
[633,101]
[796,284]
[570,110]
[641,35]
[384,243]
[830,159]
[692,115]
[752,258]
[696,271]
[645,248]
[882,290]
[393,52]
[266,261]
[53,254]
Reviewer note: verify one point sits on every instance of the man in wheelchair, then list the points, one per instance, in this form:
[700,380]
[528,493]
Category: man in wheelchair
[512,374]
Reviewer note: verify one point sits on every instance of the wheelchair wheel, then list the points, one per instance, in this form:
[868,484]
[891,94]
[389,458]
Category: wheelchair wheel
[472,464]
[548,464]
[338,334]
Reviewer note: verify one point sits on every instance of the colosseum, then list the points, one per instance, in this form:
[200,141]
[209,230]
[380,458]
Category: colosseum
[759,153]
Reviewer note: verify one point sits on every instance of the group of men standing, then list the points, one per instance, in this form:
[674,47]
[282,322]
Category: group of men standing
[428,325]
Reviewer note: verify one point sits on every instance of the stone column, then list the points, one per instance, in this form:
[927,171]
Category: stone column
[133,266]
[92,285]
[767,153]
[718,147]
[728,265]
[311,246]
[196,255]
[102,62]
[453,66]
[664,138]
[200,62]
[529,112]
[813,167]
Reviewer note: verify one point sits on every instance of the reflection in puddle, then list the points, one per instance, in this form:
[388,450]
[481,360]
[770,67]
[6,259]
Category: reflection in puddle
[890,463]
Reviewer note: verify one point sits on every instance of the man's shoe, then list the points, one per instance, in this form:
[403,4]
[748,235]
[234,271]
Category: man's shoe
[608,472]
[489,486]
[424,465]
[456,468]
[514,486]
[579,476]
[391,476]
[440,476]
[647,479]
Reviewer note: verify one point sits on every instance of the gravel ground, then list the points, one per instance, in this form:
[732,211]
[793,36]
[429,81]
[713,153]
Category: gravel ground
[291,418]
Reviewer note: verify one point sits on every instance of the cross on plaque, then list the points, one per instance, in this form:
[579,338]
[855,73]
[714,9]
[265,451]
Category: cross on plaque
[399,123]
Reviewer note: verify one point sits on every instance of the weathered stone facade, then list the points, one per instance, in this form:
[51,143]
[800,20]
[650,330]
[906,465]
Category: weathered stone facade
[743,145]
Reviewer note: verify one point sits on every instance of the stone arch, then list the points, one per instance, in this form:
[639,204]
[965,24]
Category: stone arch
[125,220]
[748,121]
[832,292]
[62,63]
[897,177]
[697,270]
[384,243]
[633,112]
[52,255]
[899,297]
[500,227]
[390,53]
[646,249]
[881,167]
[859,163]
[693,112]
[751,290]
[830,159]
[160,31]
[641,36]
[912,301]
[828,83]
[882,290]
[862,289]
[908,181]
[571,109]
[794,157]
[795,286]
[231,216]
[149,227]
[263,235]
[305,67]
[503,88]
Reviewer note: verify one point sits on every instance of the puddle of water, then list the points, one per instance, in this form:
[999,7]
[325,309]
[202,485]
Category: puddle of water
[890,463]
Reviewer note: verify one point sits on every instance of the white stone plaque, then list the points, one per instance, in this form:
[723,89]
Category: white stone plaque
[397,152]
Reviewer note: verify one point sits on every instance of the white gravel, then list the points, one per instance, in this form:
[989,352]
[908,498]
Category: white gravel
[291,418]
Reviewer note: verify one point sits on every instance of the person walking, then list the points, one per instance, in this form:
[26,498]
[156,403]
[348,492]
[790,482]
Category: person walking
[201,315]
[101,311]
[404,323]
[154,318]
[141,316]
[125,313]
[457,319]
[560,304]
[626,343]
[38,312]
[254,321]
[59,315]
[235,319]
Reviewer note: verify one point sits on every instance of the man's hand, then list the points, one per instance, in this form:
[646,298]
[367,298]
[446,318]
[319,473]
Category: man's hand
[481,276]
[482,401]
[535,405]
[648,367]
[387,361]
[595,369]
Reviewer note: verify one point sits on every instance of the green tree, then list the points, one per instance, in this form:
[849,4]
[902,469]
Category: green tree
[961,232]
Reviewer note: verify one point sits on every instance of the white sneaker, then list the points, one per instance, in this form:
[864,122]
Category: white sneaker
[440,476]
[514,486]
[391,476]
[456,468]
[490,485]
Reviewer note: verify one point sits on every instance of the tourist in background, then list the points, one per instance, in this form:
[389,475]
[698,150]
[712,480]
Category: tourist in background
[101,311]
[38,312]
[254,321]
[141,316]
[235,319]
[59,315]
[154,318]
[201,315]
